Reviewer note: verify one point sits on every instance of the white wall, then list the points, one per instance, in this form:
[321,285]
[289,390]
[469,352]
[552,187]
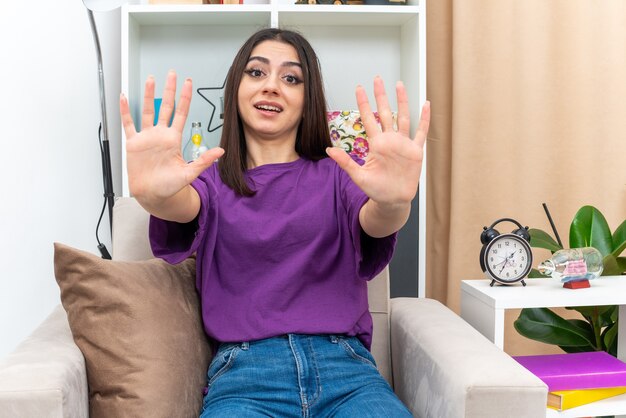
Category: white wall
[50,175]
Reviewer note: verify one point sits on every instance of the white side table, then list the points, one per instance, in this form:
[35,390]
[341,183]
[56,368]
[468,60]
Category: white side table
[483,307]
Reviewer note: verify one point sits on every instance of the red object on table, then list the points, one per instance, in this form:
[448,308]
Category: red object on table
[577,284]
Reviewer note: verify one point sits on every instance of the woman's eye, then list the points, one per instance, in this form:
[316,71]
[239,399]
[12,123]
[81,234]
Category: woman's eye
[254,72]
[292,79]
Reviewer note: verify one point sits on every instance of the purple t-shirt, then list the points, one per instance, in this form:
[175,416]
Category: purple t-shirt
[290,259]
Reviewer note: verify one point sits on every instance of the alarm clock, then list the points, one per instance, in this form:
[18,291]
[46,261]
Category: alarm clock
[506,258]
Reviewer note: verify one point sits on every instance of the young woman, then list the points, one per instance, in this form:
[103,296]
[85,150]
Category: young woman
[285,237]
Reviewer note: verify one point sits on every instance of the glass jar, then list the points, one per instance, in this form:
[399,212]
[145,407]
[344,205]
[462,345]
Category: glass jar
[573,264]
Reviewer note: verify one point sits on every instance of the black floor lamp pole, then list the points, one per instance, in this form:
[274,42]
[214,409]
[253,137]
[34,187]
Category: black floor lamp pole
[105,151]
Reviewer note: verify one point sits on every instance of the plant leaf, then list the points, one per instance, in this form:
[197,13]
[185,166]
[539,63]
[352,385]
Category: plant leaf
[609,339]
[534,274]
[541,239]
[603,312]
[615,315]
[577,349]
[619,239]
[581,324]
[610,266]
[590,229]
[621,262]
[608,317]
[541,324]
[582,348]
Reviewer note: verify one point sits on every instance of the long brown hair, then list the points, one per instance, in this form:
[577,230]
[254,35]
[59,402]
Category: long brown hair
[313,136]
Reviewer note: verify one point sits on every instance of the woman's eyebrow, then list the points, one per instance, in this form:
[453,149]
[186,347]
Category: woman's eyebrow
[267,61]
[291,64]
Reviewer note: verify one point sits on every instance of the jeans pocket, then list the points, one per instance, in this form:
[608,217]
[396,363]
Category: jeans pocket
[222,361]
[357,350]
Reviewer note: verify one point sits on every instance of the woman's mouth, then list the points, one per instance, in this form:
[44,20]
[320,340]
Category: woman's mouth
[268,108]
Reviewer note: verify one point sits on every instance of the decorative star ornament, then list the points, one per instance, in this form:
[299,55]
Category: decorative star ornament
[213,95]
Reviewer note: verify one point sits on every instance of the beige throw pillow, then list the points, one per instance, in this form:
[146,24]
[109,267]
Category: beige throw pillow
[139,327]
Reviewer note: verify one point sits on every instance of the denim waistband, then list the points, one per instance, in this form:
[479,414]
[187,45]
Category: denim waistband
[333,338]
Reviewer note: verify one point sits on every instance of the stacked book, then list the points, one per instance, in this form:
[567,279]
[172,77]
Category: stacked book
[577,378]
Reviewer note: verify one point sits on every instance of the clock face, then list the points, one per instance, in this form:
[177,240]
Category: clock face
[507,258]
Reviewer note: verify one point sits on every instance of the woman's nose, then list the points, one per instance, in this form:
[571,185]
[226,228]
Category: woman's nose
[271,84]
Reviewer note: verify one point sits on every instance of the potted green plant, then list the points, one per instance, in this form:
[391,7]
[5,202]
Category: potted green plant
[597,330]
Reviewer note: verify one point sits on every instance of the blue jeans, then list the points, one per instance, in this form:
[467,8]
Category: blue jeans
[298,376]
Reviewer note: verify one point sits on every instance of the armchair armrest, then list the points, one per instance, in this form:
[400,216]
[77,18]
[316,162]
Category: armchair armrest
[442,367]
[45,376]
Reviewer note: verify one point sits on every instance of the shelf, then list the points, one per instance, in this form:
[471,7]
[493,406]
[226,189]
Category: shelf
[199,41]
[330,15]
[548,292]
[210,14]
[258,14]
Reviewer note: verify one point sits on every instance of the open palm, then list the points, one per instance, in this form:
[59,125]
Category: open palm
[392,170]
[156,168]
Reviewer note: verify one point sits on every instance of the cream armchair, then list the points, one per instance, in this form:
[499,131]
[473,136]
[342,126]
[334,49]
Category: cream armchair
[438,364]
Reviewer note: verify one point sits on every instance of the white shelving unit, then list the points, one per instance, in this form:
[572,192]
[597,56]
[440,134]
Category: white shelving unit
[483,307]
[354,43]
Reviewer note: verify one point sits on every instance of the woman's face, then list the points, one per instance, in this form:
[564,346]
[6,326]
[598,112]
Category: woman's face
[271,93]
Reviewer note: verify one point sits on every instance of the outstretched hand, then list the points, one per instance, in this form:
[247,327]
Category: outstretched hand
[156,168]
[391,173]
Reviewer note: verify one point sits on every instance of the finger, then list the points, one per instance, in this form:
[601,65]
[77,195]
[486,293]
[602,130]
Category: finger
[147,116]
[367,116]
[382,104]
[404,118]
[167,104]
[127,119]
[182,110]
[422,129]
[201,163]
[344,161]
